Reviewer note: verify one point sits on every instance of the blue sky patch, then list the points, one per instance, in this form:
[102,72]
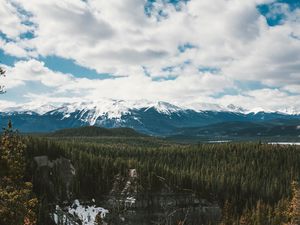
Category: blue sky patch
[240,87]
[27,35]
[164,78]
[69,66]
[249,85]
[19,94]
[293,4]
[273,19]
[207,69]
[186,46]
[7,59]
[168,69]
[149,6]
[272,12]
[4,37]
[146,72]
[227,91]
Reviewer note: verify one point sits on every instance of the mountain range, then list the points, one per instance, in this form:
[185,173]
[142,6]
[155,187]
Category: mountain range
[155,118]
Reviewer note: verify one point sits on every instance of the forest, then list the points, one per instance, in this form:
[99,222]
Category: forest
[253,183]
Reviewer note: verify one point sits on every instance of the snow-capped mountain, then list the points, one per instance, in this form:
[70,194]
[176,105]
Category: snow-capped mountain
[29,108]
[158,118]
[116,108]
[113,108]
[109,109]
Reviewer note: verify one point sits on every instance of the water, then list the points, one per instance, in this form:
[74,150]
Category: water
[284,143]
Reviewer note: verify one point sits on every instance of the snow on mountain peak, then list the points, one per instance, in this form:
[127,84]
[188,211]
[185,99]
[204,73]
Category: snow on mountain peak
[38,108]
[258,110]
[235,108]
[90,111]
[201,106]
[290,111]
[164,107]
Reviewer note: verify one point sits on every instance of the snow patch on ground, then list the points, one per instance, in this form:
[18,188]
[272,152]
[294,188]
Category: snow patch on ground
[87,214]
[129,201]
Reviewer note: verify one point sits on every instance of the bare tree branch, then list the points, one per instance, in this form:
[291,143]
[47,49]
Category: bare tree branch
[2,73]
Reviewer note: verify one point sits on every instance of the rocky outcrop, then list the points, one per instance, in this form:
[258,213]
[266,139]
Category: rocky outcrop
[53,177]
[125,190]
[132,204]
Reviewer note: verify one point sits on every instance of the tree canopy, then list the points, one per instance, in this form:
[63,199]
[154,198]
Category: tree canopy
[17,203]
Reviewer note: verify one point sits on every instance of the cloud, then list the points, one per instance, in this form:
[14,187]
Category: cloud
[11,23]
[231,41]
[33,70]
[6,104]
[265,99]
[59,85]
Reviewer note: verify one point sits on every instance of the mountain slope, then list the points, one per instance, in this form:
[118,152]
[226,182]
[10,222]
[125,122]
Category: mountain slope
[155,118]
[279,129]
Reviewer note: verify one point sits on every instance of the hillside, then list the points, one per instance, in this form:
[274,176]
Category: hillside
[278,129]
[93,131]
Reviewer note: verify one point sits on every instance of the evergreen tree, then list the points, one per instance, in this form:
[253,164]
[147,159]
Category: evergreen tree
[98,220]
[253,178]
[17,204]
[294,212]
[227,214]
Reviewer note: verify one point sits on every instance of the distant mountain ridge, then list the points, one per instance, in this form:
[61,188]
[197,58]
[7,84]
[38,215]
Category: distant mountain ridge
[277,129]
[115,108]
[154,118]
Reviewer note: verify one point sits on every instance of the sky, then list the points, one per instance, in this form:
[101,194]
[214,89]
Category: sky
[245,53]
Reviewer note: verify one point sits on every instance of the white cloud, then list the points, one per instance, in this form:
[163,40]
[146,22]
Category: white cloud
[11,20]
[33,70]
[293,88]
[117,37]
[267,99]
[6,104]
[64,86]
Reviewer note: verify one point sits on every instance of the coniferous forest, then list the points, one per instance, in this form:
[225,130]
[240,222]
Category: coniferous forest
[253,183]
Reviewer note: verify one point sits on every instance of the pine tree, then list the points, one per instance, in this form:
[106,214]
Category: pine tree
[227,214]
[294,212]
[98,220]
[17,204]
[245,218]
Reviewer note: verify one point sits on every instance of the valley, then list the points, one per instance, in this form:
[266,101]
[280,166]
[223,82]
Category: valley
[248,179]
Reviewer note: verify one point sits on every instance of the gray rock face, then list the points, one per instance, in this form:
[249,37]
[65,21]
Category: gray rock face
[54,177]
[131,204]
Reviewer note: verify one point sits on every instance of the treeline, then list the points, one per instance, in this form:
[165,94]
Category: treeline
[18,204]
[250,181]
[93,131]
